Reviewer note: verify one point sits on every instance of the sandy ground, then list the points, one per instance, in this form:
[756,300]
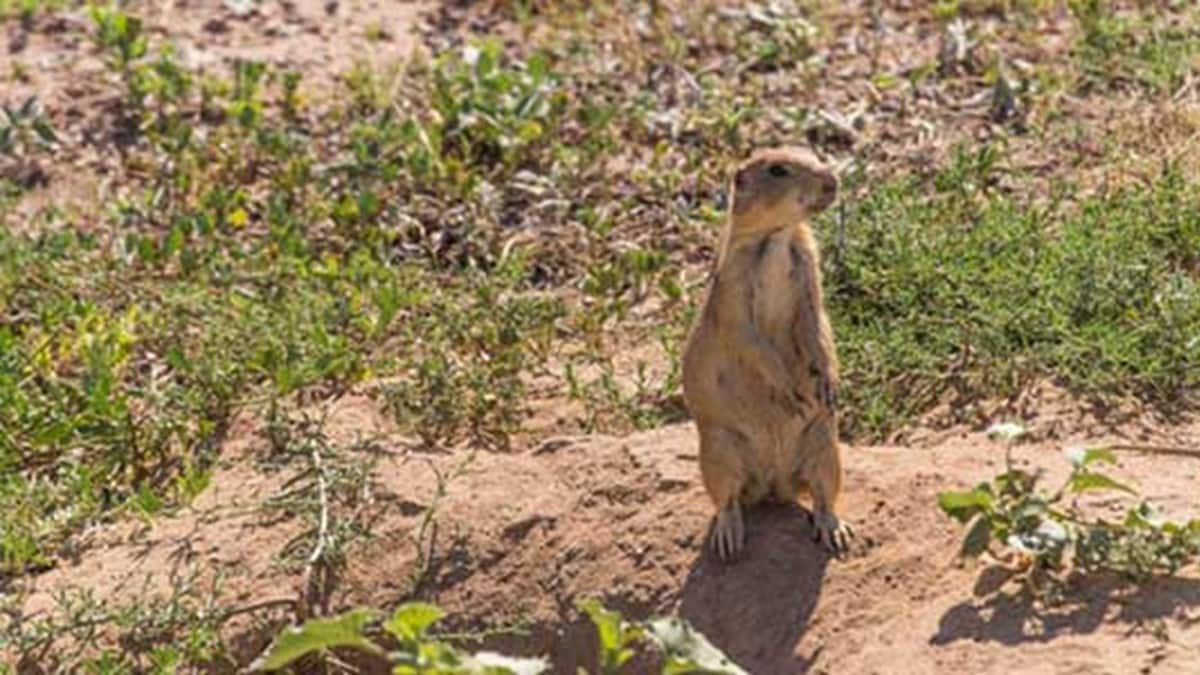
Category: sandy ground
[520,537]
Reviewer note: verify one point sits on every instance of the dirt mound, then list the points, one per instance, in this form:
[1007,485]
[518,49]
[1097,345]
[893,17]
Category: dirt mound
[515,539]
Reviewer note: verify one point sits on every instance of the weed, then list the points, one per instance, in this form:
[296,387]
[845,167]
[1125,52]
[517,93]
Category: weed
[684,650]
[921,299]
[121,37]
[26,129]
[1140,51]
[1050,534]
[608,406]
[425,537]
[159,632]
[332,492]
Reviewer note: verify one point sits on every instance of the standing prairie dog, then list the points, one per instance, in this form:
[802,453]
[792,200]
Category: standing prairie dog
[760,373]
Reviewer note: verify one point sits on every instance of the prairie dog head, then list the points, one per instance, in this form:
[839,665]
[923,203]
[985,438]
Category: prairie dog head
[781,186]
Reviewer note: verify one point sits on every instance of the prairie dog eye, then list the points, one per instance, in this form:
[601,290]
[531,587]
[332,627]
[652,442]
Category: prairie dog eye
[777,170]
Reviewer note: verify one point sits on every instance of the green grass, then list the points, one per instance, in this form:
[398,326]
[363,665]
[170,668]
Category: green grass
[1123,51]
[961,293]
[26,10]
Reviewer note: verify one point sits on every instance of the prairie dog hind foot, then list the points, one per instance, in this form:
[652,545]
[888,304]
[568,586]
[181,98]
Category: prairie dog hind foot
[729,532]
[834,533]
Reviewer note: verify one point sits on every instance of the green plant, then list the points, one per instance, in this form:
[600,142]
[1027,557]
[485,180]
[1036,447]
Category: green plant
[684,650]
[418,651]
[25,129]
[608,406]
[415,652]
[332,492]
[919,286]
[1050,533]
[424,540]
[121,37]
[162,631]
[25,10]
[488,113]
[1141,50]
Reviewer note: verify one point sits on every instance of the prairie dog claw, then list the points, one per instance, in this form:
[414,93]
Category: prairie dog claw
[834,534]
[729,533]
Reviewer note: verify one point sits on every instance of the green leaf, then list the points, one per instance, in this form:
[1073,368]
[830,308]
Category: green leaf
[608,623]
[412,619]
[529,131]
[963,505]
[488,58]
[885,80]
[687,650]
[1145,516]
[45,131]
[1016,482]
[615,636]
[1084,481]
[318,635]
[979,535]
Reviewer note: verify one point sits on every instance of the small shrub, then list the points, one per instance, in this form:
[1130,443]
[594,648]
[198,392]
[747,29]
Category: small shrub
[1049,534]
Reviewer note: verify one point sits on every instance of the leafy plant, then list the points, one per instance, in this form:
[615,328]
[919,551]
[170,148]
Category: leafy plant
[416,650]
[489,111]
[121,35]
[25,128]
[685,651]
[1049,532]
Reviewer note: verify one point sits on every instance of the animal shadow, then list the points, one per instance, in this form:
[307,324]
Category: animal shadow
[1013,618]
[757,607]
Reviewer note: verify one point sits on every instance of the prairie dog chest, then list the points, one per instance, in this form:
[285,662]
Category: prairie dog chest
[779,265]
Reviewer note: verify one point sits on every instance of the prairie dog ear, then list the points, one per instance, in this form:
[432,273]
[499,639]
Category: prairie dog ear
[743,188]
[741,178]
[825,190]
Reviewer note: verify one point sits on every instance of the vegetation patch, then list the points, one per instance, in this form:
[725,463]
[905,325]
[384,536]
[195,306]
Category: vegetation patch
[1048,535]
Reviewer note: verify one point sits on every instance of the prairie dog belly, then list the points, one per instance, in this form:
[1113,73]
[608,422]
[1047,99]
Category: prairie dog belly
[775,300]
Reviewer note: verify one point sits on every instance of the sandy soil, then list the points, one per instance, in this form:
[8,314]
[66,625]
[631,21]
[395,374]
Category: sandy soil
[521,536]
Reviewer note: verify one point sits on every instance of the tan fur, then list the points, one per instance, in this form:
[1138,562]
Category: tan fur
[760,371]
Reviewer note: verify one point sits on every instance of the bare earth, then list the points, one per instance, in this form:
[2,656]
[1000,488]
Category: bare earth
[521,536]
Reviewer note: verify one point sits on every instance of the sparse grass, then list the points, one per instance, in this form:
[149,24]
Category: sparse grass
[26,10]
[1121,49]
[157,633]
[465,226]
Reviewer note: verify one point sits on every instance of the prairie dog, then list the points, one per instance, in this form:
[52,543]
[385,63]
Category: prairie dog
[760,372]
